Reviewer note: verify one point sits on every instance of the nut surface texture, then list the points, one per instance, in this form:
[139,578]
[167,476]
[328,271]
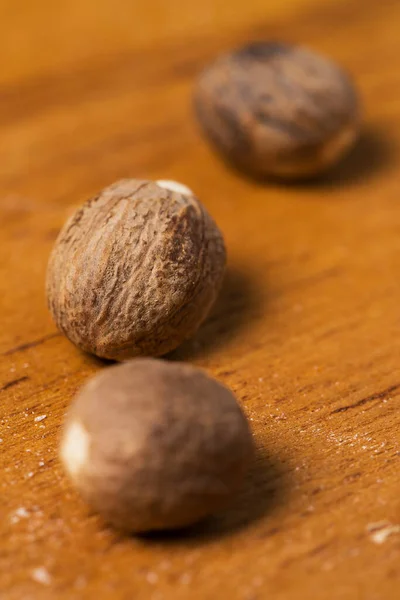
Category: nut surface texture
[135,270]
[152,444]
[276,109]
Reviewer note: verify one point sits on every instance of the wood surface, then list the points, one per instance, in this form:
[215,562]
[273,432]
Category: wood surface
[306,331]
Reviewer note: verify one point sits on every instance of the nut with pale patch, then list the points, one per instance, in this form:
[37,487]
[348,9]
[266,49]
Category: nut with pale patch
[155,445]
[276,109]
[136,270]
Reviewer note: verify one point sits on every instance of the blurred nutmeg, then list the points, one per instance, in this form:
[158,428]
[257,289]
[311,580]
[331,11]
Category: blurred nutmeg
[135,270]
[274,109]
[155,445]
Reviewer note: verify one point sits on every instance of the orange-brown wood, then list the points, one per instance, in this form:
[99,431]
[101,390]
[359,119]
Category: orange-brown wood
[306,331]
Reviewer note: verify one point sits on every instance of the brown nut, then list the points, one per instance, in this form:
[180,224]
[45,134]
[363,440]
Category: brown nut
[153,445]
[135,270]
[280,110]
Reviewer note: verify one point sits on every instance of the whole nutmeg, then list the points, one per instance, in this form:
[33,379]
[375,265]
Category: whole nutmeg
[136,270]
[276,109]
[155,445]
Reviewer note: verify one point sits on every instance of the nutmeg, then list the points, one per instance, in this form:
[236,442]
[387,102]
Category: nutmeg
[276,109]
[154,445]
[136,270]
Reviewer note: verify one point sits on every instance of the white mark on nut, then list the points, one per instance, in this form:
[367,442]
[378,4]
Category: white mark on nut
[174,186]
[74,448]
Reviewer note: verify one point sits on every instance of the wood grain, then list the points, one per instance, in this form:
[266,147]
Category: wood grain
[305,332]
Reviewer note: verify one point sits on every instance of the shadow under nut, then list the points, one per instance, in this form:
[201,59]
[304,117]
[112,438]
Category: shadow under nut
[135,270]
[276,109]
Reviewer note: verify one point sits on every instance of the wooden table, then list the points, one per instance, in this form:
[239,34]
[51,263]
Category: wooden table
[306,331]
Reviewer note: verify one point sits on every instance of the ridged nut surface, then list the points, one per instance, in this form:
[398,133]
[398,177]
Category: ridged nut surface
[135,270]
[276,109]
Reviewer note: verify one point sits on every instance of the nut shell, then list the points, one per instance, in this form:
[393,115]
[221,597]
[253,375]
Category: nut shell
[155,445]
[280,110]
[135,270]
